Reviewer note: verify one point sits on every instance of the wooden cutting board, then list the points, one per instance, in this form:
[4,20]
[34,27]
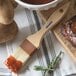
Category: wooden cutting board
[70,49]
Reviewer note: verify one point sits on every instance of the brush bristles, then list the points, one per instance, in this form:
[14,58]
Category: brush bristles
[15,62]
[20,56]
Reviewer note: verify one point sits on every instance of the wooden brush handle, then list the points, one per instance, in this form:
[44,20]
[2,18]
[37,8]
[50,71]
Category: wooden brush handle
[31,43]
[36,38]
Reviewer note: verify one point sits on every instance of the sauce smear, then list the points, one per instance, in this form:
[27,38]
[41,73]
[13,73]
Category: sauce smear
[13,64]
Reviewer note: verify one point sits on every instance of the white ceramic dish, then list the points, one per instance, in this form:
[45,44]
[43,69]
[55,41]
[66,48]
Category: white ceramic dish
[38,7]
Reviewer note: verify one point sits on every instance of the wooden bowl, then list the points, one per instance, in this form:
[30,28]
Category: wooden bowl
[8,32]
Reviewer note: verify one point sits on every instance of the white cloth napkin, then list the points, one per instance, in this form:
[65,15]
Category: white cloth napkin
[29,22]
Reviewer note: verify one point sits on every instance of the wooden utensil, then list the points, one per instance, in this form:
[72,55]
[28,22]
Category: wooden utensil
[8,32]
[8,27]
[31,43]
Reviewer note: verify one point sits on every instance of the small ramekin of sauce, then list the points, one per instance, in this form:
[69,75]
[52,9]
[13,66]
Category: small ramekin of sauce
[38,4]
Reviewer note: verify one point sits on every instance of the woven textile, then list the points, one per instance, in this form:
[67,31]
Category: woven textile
[28,23]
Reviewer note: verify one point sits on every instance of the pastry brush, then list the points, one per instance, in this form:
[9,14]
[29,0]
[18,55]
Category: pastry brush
[32,42]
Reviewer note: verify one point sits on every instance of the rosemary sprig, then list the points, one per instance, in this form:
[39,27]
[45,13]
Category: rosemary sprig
[52,66]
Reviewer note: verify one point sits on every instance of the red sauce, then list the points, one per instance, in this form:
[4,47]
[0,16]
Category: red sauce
[37,1]
[13,64]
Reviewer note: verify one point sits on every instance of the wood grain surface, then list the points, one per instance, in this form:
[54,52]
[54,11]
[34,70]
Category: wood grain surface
[70,49]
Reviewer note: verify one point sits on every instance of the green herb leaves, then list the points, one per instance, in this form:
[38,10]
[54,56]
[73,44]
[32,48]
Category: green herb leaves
[52,66]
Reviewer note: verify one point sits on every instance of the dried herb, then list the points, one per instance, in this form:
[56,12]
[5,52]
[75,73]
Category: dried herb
[52,66]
